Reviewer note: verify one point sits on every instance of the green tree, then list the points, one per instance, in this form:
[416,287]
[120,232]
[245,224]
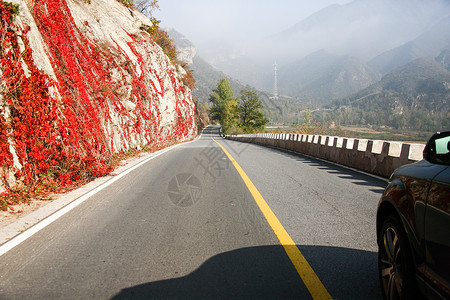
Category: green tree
[250,111]
[229,116]
[224,106]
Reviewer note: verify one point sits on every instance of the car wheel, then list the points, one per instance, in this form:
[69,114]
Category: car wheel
[395,265]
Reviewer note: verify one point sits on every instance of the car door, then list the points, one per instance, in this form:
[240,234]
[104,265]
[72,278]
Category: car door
[437,224]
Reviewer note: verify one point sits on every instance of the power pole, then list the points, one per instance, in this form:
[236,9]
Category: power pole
[275,81]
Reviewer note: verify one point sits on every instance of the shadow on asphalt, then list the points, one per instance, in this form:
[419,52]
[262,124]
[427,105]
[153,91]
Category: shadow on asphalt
[376,185]
[261,273]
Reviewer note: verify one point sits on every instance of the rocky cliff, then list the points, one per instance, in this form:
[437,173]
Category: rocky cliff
[82,81]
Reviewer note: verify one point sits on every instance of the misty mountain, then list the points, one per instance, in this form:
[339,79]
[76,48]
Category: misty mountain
[326,57]
[186,50]
[206,77]
[413,96]
[415,80]
[428,44]
[362,29]
[444,59]
[322,77]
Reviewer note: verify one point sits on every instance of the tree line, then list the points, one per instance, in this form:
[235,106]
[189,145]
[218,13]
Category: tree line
[241,114]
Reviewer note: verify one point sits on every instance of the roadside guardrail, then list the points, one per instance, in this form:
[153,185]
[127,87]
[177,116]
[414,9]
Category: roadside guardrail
[372,156]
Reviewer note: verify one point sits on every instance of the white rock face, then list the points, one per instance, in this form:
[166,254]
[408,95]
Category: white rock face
[187,54]
[148,104]
[186,51]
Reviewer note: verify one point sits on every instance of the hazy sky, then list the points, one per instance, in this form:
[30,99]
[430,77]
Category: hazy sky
[231,21]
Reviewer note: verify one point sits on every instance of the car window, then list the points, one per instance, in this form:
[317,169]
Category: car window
[443,145]
[440,150]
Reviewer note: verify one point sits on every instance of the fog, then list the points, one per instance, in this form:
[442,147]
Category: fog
[217,25]
[243,38]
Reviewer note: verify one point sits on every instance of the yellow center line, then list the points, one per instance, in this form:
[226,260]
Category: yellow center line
[307,274]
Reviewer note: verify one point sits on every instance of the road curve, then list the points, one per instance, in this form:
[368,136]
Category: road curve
[186,226]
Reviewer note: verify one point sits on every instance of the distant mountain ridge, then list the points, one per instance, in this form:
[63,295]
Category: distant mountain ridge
[415,95]
[428,44]
[444,59]
[205,75]
[382,35]
[362,28]
[207,78]
[322,77]
[405,85]
[418,78]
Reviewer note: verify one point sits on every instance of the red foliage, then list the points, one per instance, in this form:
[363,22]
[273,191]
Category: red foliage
[31,111]
[63,138]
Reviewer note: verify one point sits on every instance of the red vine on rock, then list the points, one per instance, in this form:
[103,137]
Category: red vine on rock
[27,112]
[69,137]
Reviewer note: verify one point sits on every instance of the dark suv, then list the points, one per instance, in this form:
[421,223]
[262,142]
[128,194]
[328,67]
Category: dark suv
[413,227]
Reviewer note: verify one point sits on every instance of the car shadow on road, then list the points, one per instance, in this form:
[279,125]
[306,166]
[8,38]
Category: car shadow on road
[265,272]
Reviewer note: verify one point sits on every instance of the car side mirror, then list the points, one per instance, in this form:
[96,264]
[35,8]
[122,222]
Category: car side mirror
[437,149]
[426,154]
[429,149]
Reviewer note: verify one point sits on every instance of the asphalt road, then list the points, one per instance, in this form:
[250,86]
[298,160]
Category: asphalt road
[186,226]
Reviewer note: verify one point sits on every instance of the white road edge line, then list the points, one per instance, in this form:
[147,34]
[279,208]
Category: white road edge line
[13,242]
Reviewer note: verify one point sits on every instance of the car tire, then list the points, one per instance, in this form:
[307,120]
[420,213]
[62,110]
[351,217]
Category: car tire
[395,264]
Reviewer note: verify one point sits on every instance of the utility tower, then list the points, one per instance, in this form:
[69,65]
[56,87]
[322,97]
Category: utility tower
[275,81]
